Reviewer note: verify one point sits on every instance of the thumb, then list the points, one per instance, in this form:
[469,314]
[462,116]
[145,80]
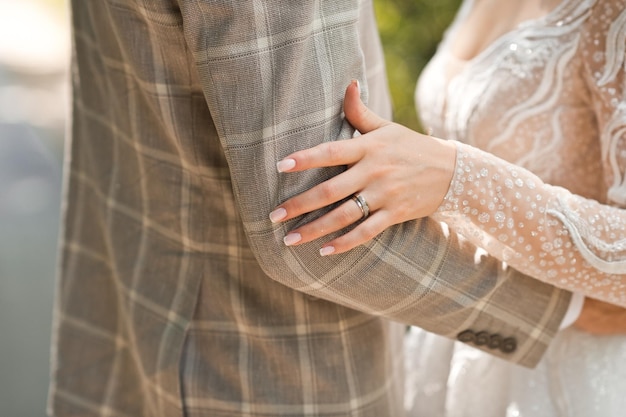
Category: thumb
[358,115]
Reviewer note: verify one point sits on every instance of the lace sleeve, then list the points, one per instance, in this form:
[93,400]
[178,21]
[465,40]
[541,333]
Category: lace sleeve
[542,230]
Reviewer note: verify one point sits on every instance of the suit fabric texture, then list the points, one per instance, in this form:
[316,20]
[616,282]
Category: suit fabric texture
[176,295]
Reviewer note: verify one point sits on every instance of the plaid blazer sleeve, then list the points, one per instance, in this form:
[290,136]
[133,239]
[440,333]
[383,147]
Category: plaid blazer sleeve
[274,74]
[180,110]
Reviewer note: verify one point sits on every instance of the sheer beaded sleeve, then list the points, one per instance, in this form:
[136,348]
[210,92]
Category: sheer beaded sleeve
[546,231]
[542,230]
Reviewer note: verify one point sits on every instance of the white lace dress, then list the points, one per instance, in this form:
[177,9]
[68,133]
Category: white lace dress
[549,98]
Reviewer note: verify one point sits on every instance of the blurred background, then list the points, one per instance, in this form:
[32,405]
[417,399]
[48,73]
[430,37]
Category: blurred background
[410,31]
[34,54]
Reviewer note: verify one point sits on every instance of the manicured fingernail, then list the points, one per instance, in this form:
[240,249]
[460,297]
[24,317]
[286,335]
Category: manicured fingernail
[327,250]
[292,239]
[358,86]
[278,214]
[286,165]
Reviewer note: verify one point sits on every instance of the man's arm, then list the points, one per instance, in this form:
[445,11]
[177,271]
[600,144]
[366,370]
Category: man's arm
[274,74]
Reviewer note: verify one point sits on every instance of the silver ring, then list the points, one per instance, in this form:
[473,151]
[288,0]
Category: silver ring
[360,201]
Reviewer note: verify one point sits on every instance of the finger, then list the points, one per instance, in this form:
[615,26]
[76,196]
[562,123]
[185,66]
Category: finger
[331,191]
[339,218]
[344,152]
[358,114]
[363,233]
[328,154]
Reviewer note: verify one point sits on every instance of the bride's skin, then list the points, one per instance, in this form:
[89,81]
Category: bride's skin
[401,185]
[403,175]
[480,28]
[401,179]
[406,178]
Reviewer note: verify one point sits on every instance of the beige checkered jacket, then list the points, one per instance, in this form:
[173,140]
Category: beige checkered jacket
[176,294]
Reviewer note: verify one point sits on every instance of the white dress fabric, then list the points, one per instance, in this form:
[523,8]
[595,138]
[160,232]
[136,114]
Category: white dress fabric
[547,101]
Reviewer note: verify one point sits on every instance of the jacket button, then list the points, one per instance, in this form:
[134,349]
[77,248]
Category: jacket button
[482,338]
[509,345]
[466,336]
[495,341]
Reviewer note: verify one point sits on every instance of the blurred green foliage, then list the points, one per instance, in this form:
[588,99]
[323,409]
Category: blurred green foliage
[410,31]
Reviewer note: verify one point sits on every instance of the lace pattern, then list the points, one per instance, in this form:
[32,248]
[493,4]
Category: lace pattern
[542,230]
[549,198]
[548,102]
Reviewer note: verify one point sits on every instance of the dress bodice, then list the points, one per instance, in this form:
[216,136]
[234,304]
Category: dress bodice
[549,98]
[547,101]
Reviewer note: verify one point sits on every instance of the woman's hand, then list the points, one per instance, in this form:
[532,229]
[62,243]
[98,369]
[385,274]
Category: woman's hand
[600,318]
[400,174]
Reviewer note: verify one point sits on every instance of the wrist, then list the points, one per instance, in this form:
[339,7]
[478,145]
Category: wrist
[449,158]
